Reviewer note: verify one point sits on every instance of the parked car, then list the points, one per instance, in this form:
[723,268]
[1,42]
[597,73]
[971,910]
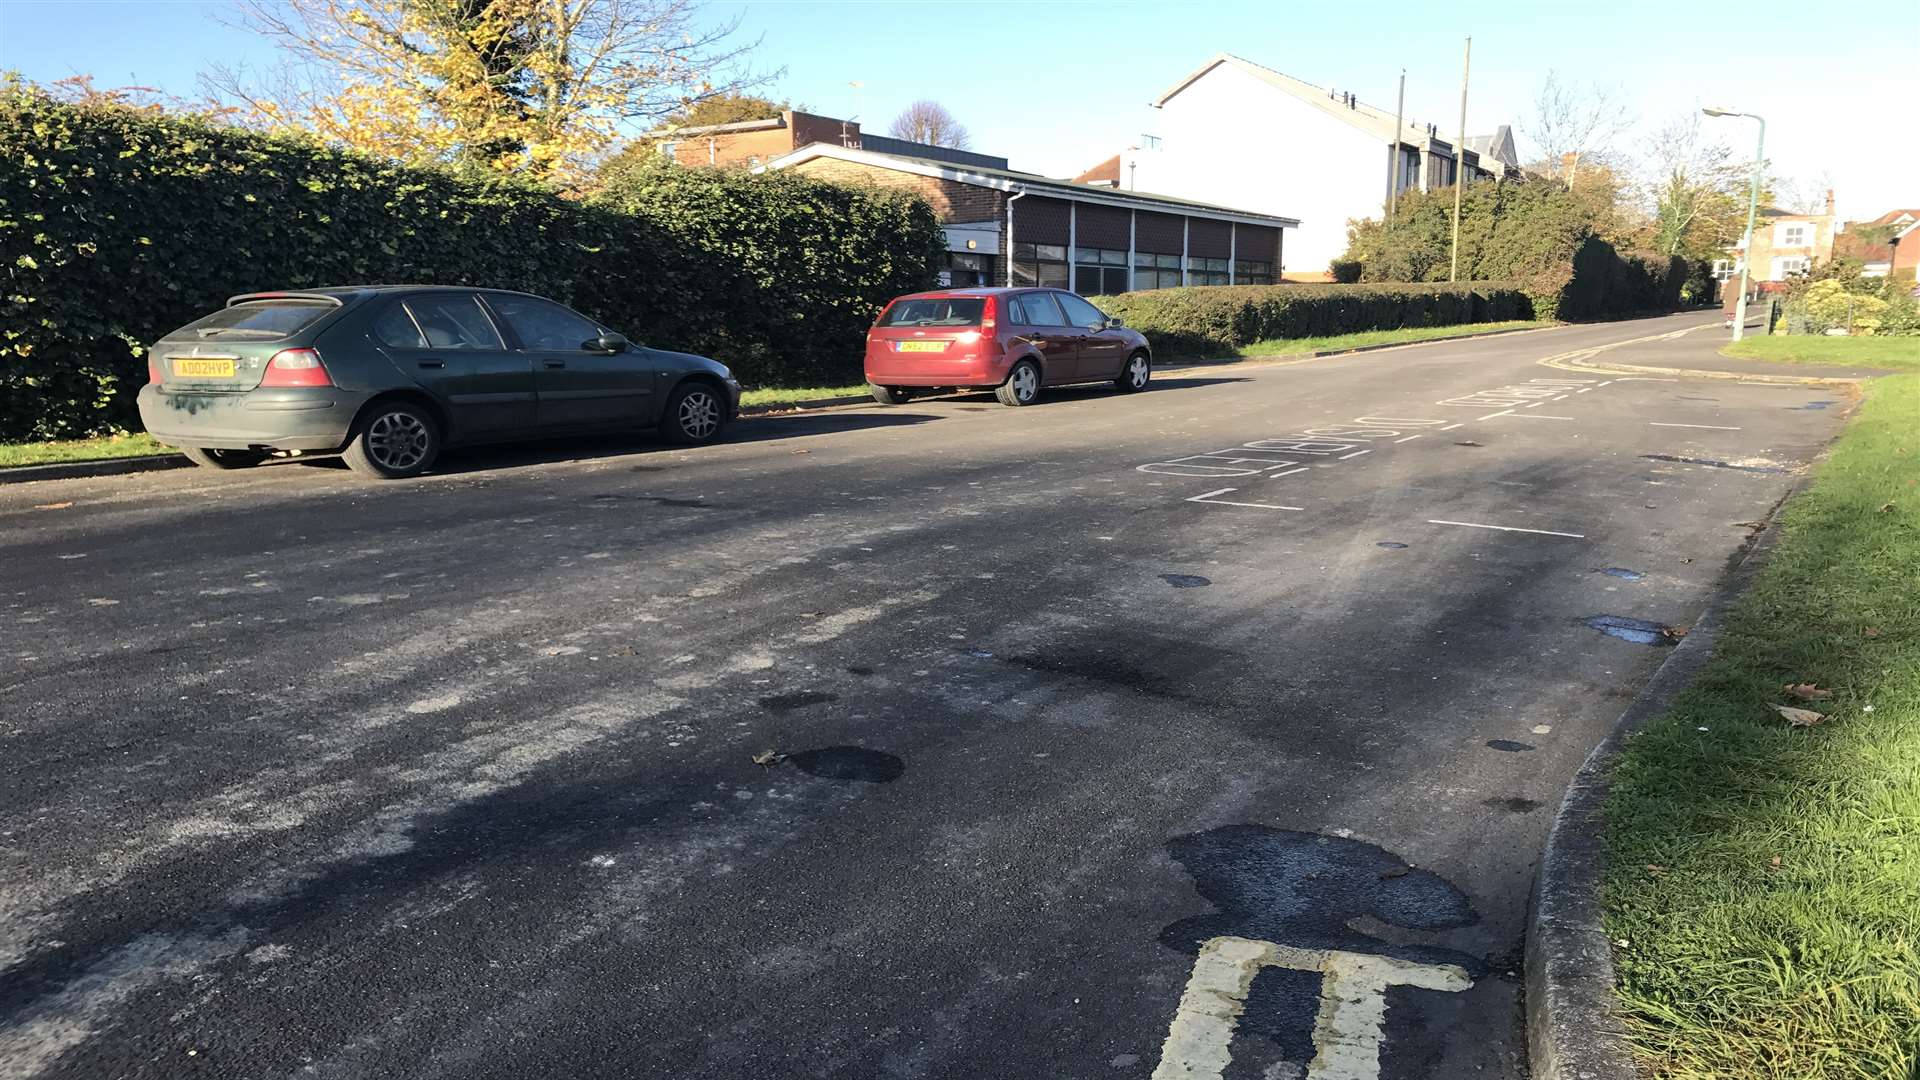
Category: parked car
[389,375]
[1013,341]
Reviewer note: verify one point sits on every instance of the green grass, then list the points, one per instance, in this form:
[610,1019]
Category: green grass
[1296,346]
[793,397]
[1766,878]
[1881,352]
[47,453]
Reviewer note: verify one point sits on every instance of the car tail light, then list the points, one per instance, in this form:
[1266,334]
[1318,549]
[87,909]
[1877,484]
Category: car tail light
[296,367]
[153,370]
[988,311]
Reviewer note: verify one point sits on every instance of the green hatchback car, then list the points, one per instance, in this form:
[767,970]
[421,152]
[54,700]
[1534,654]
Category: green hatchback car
[388,375]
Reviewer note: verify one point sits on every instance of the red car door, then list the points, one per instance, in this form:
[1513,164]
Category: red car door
[1046,326]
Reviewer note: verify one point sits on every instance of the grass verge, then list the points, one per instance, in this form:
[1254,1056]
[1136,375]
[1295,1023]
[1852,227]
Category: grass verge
[13,455]
[1764,884]
[753,398]
[1281,347]
[1893,353]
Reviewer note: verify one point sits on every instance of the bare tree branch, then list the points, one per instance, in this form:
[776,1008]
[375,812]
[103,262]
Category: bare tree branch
[929,122]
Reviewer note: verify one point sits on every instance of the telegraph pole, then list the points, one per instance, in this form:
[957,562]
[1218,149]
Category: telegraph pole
[1460,161]
[1393,171]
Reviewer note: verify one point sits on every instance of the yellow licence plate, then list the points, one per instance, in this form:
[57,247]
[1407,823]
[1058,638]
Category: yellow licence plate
[201,368]
[922,346]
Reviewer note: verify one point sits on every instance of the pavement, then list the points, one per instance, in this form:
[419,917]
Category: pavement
[1210,731]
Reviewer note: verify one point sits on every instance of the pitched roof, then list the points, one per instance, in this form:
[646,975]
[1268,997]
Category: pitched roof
[1497,146]
[1027,183]
[1374,121]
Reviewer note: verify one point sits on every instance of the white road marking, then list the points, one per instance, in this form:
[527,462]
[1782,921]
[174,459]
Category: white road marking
[1409,438]
[1209,498]
[1356,453]
[1506,528]
[1353,1006]
[1491,415]
[1538,416]
[1535,404]
[1289,472]
[1583,389]
[1709,427]
[1564,397]
[1642,378]
[1598,385]
[1450,427]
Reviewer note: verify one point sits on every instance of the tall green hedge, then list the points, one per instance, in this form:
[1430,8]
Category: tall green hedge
[1212,320]
[117,225]
[1537,234]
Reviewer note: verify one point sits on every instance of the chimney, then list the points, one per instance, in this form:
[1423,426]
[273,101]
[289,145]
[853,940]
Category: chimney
[1829,202]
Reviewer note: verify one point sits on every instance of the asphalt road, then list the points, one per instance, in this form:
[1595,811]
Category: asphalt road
[301,775]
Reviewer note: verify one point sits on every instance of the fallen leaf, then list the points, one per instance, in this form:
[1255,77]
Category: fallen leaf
[1774,862]
[1655,868]
[800,451]
[1871,631]
[1467,443]
[768,758]
[1398,871]
[1807,691]
[52,506]
[1886,508]
[1676,632]
[1799,717]
[1754,525]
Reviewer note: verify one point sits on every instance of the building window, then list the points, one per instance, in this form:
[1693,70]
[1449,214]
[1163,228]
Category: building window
[1099,271]
[1246,272]
[1723,269]
[966,269]
[1155,271]
[1044,265]
[1206,271]
[667,149]
[1786,267]
[1409,168]
[1793,236]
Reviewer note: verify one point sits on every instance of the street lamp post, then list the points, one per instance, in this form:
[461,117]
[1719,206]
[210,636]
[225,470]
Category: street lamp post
[1753,208]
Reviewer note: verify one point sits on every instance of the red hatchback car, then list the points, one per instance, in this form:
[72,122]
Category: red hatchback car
[1013,341]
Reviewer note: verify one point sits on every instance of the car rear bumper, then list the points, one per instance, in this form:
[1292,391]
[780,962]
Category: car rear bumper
[895,369]
[303,418]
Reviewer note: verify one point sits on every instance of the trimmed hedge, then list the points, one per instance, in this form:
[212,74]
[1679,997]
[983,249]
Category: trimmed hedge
[118,225]
[1213,320]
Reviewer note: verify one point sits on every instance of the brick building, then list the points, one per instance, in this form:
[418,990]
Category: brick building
[750,143]
[1015,228]
[1889,244]
[1784,245]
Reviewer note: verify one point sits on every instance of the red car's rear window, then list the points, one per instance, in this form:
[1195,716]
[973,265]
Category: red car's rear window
[935,311]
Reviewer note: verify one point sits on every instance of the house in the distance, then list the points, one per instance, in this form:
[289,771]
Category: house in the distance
[748,143]
[1784,244]
[1889,244]
[1015,228]
[1239,134]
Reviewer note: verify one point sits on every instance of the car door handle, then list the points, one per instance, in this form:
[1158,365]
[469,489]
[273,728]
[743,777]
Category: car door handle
[556,363]
[433,363]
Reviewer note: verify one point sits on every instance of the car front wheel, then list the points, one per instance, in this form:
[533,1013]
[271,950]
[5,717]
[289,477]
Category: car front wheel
[1133,378]
[208,458]
[695,414]
[395,439]
[1022,386]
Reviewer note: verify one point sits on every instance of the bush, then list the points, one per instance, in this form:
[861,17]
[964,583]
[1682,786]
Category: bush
[118,225]
[1214,319]
[1537,235]
[1344,271]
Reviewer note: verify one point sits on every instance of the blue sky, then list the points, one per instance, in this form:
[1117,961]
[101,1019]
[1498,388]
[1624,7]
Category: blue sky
[1056,86]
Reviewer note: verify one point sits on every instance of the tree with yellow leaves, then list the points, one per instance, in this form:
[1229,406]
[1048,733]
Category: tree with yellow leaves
[534,87]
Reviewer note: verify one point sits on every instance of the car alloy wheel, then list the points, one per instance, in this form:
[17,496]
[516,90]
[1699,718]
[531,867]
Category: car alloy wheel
[1138,371]
[699,415]
[398,441]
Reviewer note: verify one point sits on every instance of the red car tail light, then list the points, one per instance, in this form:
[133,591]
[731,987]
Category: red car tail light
[296,367]
[988,311]
[153,370]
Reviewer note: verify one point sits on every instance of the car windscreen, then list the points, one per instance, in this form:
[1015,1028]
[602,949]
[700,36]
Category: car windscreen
[256,320]
[935,311]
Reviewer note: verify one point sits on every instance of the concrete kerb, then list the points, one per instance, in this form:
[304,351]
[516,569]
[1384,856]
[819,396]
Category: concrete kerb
[1302,358]
[1574,1026]
[73,470]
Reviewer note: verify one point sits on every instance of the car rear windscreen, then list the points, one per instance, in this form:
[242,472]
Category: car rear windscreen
[256,320]
[935,311]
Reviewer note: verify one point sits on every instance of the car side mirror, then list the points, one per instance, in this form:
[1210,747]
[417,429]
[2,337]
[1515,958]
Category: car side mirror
[1115,320]
[608,342]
